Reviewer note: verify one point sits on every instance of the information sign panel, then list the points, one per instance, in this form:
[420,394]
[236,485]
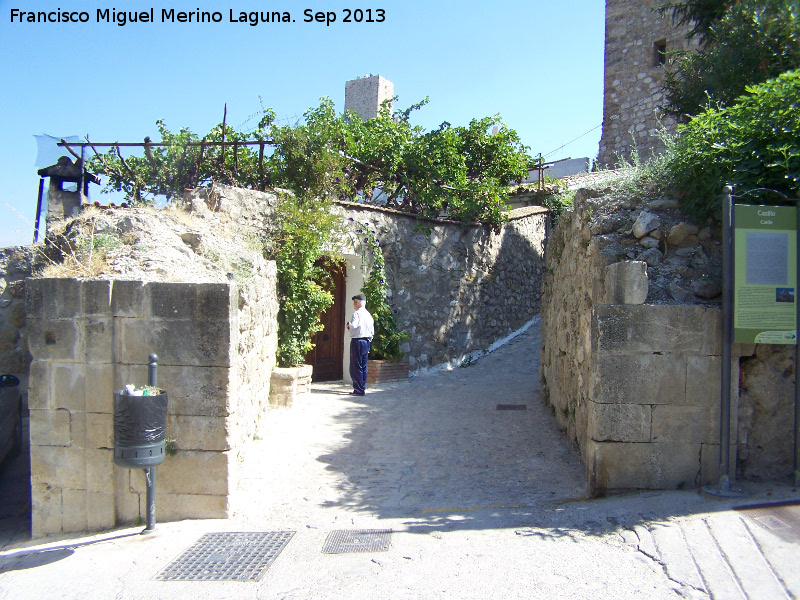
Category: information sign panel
[765,275]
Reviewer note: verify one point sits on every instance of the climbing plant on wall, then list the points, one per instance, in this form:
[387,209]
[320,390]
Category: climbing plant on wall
[387,339]
[461,170]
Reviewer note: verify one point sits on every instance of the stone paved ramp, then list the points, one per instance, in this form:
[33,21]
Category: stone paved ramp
[483,504]
[417,447]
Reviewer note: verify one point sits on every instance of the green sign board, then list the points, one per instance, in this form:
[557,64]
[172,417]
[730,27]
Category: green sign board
[765,275]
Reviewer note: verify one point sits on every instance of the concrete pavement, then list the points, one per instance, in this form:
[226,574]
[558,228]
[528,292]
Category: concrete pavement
[483,503]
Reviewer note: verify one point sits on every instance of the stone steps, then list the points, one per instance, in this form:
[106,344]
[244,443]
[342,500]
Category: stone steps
[719,557]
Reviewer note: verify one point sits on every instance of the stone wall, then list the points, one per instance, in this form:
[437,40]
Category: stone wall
[653,414]
[216,344]
[457,289]
[16,263]
[766,411]
[633,78]
[637,386]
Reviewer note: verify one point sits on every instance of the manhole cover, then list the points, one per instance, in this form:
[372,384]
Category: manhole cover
[782,519]
[364,540]
[230,556]
[512,407]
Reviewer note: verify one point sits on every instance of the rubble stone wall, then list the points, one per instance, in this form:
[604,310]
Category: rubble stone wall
[216,345]
[16,263]
[457,289]
[637,385]
[634,77]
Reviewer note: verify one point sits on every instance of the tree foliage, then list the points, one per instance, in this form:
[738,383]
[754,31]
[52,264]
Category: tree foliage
[745,42]
[464,170]
[306,229]
[700,14]
[754,143]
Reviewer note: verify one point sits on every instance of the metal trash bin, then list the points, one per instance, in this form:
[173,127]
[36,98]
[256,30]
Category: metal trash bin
[140,426]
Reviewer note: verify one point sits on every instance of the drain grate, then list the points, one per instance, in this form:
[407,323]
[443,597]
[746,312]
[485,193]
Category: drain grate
[782,519]
[231,556]
[512,407]
[364,540]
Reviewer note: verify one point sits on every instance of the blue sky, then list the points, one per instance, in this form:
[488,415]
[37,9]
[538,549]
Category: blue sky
[539,64]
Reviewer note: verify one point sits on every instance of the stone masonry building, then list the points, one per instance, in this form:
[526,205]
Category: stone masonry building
[365,95]
[638,43]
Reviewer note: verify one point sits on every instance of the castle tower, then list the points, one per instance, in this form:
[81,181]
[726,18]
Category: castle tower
[638,43]
[364,95]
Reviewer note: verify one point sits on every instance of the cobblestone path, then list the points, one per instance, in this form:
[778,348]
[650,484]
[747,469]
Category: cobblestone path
[414,448]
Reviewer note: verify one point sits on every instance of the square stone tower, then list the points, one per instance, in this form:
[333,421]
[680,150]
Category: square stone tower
[364,95]
[638,43]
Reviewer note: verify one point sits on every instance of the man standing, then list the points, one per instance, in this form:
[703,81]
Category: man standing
[361,328]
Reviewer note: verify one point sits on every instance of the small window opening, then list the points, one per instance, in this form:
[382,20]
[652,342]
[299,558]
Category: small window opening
[660,53]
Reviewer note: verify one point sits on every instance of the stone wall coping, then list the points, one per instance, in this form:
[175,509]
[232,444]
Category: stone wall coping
[513,215]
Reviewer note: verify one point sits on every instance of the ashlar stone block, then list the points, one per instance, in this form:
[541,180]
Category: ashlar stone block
[100,513]
[175,507]
[691,330]
[614,465]
[690,424]
[96,297]
[99,431]
[620,422]
[100,471]
[46,518]
[100,388]
[642,379]
[190,472]
[128,298]
[197,301]
[98,335]
[39,397]
[199,432]
[53,298]
[74,511]
[59,467]
[626,282]
[68,386]
[50,427]
[55,339]
[703,374]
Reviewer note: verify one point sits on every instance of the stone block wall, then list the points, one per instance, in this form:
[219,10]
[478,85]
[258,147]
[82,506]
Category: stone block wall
[637,386]
[91,337]
[458,289]
[16,263]
[633,79]
[653,416]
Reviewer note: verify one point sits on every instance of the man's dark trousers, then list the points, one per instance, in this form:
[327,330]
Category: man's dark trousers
[359,351]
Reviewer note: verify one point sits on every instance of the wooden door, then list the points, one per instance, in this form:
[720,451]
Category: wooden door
[328,352]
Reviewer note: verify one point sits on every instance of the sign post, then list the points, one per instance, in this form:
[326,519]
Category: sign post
[760,258]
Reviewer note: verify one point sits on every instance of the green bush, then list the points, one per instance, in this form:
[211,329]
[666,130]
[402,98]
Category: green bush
[305,230]
[386,341]
[744,44]
[754,143]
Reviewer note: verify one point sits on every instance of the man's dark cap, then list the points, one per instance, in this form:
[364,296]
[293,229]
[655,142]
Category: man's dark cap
[360,297]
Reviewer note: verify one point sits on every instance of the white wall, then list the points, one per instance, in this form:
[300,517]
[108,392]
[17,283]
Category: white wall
[354,281]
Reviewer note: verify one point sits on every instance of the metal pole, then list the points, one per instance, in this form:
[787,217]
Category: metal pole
[150,477]
[150,473]
[81,193]
[727,322]
[38,210]
[152,371]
